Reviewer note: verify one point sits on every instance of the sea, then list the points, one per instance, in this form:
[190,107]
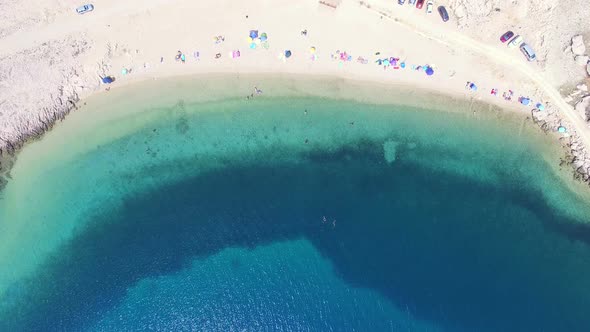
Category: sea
[292,212]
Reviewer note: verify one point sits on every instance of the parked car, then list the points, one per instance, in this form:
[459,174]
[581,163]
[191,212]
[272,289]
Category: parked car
[401,2]
[506,36]
[429,6]
[411,2]
[419,4]
[528,52]
[85,9]
[443,13]
[515,42]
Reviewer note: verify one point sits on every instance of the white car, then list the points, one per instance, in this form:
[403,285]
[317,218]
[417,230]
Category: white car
[515,42]
[85,9]
[429,7]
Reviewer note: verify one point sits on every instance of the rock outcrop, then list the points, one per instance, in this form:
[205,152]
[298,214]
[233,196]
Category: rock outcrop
[578,47]
[582,60]
[583,108]
[54,73]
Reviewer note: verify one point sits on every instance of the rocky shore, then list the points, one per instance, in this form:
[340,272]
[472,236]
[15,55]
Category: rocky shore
[54,73]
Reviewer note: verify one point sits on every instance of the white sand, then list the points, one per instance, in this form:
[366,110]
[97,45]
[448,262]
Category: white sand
[49,54]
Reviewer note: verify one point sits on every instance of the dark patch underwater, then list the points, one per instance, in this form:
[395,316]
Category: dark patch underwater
[464,255]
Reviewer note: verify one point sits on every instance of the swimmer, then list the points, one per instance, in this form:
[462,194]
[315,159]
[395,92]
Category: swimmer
[305,112]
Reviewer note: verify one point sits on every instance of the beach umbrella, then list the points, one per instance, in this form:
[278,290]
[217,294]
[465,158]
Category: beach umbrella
[403,65]
[253,34]
[473,87]
[253,45]
[287,53]
[312,49]
[429,71]
[540,107]
[108,80]
[525,101]
[263,36]
[561,129]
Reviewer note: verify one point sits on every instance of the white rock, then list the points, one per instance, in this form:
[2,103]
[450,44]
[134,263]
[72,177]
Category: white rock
[568,99]
[581,60]
[582,87]
[578,47]
[583,107]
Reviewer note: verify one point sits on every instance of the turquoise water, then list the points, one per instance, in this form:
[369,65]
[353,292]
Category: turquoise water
[294,214]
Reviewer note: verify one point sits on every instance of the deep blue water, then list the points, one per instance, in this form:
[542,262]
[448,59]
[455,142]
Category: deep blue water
[245,247]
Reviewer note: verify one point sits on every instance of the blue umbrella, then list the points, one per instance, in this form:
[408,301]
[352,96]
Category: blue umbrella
[540,107]
[108,80]
[263,36]
[561,129]
[525,101]
[473,87]
[253,34]
[429,71]
[287,53]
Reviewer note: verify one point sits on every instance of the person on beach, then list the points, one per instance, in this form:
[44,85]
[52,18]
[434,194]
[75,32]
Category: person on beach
[257,91]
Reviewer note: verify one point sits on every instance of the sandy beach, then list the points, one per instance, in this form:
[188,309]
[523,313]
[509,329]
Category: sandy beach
[53,58]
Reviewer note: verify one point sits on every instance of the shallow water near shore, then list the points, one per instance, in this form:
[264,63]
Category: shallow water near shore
[291,212]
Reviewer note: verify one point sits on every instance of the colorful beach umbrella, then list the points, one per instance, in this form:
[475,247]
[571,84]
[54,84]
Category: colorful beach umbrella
[263,36]
[540,107]
[253,34]
[287,54]
[429,71]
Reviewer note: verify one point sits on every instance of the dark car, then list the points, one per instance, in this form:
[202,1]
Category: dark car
[443,13]
[506,37]
[419,4]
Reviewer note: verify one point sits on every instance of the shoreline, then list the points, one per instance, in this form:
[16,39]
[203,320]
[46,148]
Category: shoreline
[221,87]
[329,30]
[425,98]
